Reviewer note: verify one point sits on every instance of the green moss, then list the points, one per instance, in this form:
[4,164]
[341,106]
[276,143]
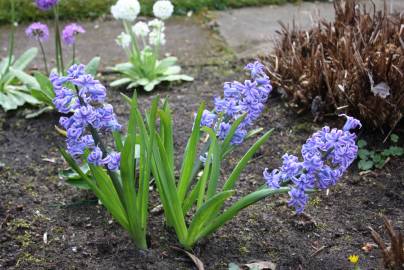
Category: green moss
[24,239]
[28,259]
[18,224]
[243,250]
[315,201]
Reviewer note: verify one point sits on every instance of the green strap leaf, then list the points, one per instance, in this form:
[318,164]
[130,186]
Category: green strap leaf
[231,212]
[244,161]
[202,216]
[190,155]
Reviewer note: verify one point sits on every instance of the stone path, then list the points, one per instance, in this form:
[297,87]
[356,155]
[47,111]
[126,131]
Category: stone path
[186,39]
[247,31]
[250,31]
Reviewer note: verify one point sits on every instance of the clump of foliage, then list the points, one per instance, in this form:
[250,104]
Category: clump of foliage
[370,159]
[354,63]
[142,44]
[13,93]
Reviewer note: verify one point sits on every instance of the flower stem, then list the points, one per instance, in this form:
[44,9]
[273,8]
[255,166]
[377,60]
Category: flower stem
[74,53]
[43,57]
[11,37]
[58,45]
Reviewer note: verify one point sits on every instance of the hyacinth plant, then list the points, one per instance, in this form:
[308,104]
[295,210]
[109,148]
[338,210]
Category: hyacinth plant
[39,84]
[119,175]
[142,43]
[13,94]
[197,193]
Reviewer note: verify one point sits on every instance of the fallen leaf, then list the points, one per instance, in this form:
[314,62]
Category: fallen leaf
[45,238]
[261,265]
[51,160]
[368,247]
[198,263]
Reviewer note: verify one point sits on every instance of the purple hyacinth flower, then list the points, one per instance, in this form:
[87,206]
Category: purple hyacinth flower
[327,155]
[273,178]
[114,161]
[351,123]
[224,129]
[256,69]
[38,31]
[208,119]
[46,4]
[298,199]
[85,115]
[96,158]
[238,136]
[75,72]
[70,32]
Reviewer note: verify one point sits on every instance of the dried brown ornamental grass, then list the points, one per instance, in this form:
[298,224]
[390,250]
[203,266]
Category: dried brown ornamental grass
[393,253]
[353,65]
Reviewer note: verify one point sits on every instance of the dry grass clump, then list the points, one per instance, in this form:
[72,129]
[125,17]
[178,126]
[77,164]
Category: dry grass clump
[354,65]
[393,254]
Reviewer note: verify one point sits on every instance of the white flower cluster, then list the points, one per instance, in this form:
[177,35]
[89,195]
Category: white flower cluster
[163,9]
[157,36]
[123,40]
[141,29]
[126,10]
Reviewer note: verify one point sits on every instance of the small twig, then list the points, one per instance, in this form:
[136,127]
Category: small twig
[4,220]
[318,251]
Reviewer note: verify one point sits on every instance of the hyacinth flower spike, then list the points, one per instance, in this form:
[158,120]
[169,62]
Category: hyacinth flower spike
[89,119]
[327,155]
[195,203]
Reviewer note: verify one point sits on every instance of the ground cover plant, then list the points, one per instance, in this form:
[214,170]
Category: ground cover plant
[142,43]
[12,76]
[353,64]
[377,158]
[39,85]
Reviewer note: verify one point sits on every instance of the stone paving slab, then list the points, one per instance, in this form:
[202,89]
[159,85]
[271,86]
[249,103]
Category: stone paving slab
[250,31]
[187,39]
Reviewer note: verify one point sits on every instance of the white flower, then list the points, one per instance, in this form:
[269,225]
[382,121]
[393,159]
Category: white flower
[141,29]
[123,40]
[157,24]
[163,9]
[126,10]
[157,38]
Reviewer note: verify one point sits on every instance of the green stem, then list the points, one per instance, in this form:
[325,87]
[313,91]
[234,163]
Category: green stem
[11,37]
[74,53]
[44,57]
[58,44]
[113,175]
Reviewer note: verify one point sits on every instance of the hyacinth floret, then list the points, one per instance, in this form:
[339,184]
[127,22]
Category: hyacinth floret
[327,154]
[86,111]
[239,99]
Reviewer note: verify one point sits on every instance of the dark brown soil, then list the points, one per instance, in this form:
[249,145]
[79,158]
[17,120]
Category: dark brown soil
[81,235]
